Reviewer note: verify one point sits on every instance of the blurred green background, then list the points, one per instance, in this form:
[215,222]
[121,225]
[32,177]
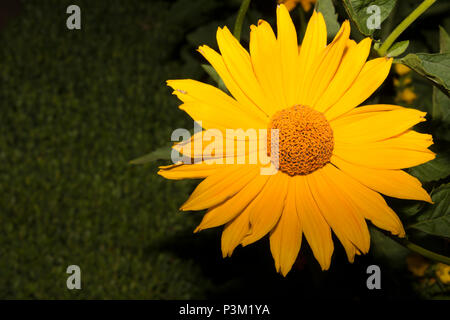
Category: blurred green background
[76,106]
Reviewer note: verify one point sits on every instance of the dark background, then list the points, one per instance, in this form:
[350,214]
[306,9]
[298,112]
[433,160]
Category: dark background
[76,106]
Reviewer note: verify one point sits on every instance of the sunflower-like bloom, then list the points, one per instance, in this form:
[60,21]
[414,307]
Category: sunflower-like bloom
[335,158]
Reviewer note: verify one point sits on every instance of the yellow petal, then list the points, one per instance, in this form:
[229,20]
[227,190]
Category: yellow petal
[350,249]
[211,119]
[329,62]
[412,140]
[234,232]
[205,146]
[286,237]
[237,61]
[340,213]
[239,93]
[266,209]
[362,112]
[229,209]
[316,229]
[369,203]
[314,42]
[401,152]
[287,40]
[350,45]
[212,106]
[370,78]
[349,69]
[393,183]
[377,126]
[189,171]
[220,186]
[264,47]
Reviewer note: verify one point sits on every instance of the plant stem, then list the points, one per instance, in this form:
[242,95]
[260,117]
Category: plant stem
[424,252]
[403,25]
[240,19]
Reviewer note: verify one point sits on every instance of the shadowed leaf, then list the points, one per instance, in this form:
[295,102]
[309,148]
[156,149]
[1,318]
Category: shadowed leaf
[162,153]
[433,170]
[435,219]
[434,66]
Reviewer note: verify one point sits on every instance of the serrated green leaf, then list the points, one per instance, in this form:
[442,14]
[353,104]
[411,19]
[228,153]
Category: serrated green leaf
[163,153]
[435,219]
[433,66]
[359,14]
[433,170]
[398,48]
[326,7]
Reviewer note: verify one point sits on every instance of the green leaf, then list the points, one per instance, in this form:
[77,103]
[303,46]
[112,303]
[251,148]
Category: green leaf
[211,72]
[398,48]
[163,153]
[360,14]
[410,209]
[330,16]
[433,170]
[386,249]
[441,106]
[435,219]
[434,66]
[215,76]
[441,102]
[444,40]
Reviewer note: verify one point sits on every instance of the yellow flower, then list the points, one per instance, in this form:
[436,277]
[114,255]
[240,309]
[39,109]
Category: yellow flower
[291,4]
[401,69]
[443,273]
[417,264]
[404,81]
[407,95]
[334,158]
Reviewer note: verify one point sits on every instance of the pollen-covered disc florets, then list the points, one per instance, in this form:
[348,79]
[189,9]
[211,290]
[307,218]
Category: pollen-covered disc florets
[305,140]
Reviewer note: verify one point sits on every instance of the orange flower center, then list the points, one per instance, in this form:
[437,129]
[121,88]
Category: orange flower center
[305,140]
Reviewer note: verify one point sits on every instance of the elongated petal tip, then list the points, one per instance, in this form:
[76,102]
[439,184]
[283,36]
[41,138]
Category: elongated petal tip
[325,268]
[249,239]
[202,48]
[429,200]
[366,41]
[163,173]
